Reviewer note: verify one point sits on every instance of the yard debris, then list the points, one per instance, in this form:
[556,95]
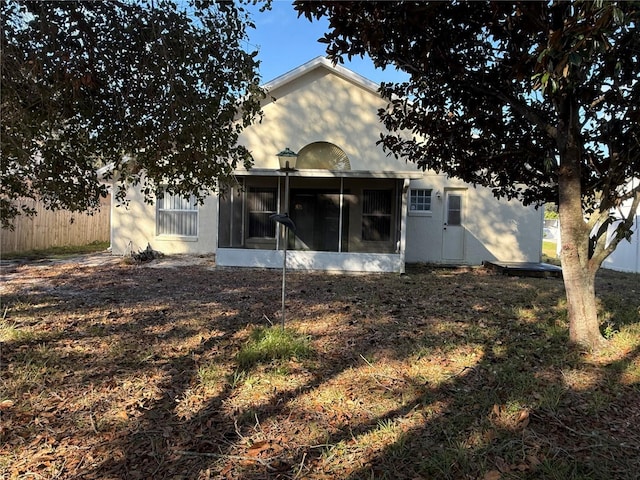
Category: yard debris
[108,373]
[147,254]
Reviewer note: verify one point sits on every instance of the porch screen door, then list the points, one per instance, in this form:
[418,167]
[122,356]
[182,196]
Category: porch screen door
[453,227]
[316,214]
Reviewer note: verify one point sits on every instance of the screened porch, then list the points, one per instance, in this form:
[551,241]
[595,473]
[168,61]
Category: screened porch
[344,221]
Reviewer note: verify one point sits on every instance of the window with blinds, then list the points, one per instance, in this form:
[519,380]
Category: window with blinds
[262,202]
[376,215]
[177,215]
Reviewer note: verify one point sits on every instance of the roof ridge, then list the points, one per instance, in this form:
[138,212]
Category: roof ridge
[322,62]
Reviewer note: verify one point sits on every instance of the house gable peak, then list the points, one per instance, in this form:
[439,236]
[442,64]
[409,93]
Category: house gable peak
[324,63]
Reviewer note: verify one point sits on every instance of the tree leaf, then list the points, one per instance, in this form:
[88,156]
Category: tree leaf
[492,475]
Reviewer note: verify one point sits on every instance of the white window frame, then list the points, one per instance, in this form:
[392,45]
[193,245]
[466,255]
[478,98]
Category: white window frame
[178,205]
[417,202]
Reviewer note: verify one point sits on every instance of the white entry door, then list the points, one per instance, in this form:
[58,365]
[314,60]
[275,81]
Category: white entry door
[453,226]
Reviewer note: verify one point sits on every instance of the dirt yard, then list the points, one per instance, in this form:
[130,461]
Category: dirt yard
[114,371]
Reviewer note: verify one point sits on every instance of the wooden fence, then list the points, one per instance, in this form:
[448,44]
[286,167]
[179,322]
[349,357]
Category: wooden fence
[59,228]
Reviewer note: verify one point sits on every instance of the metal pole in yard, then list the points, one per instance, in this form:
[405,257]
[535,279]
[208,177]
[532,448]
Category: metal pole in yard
[287,160]
[286,241]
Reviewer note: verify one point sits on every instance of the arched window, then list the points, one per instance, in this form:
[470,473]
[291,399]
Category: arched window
[323,155]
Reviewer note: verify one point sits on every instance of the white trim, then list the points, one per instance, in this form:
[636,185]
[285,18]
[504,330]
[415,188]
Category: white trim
[403,221]
[420,213]
[269,172]
[195,210]
[340,220]
[462,193]
[174,238]
[299,260]
[322,62]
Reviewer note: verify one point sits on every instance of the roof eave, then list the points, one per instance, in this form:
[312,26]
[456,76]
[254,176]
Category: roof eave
[320,173]
[323,62]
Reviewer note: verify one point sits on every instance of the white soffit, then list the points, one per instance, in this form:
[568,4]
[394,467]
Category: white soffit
[268,172]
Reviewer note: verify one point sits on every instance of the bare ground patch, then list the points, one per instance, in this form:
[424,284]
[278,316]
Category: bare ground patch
[117,371]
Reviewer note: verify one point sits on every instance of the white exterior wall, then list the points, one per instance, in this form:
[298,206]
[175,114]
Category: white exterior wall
[318,103]
[133,227]
[320,106]
[495,230]
[301,260]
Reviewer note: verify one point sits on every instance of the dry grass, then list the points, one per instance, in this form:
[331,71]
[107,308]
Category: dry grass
[549,249]
[128,372]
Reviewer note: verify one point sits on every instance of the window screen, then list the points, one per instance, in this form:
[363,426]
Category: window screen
[376,215]
[262,203]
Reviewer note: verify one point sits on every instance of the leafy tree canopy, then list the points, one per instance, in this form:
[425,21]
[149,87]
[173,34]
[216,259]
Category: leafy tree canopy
[159,89]
[491,83]
[538,101]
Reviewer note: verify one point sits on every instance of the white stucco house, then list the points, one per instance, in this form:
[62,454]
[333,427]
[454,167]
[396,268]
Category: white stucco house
[355,208]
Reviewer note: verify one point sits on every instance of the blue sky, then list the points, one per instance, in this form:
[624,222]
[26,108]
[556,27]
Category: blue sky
[285,42]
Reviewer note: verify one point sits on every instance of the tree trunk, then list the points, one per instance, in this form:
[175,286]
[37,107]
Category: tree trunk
[579,282]
[578,269]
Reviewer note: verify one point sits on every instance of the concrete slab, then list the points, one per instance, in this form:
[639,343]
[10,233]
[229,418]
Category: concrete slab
[525,269]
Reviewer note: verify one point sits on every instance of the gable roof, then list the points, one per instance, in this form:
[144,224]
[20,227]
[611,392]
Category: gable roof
[324,63]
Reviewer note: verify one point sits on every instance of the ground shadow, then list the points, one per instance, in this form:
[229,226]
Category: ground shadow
[441,373]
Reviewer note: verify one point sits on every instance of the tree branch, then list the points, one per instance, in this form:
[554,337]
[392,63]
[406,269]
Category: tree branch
[518,106]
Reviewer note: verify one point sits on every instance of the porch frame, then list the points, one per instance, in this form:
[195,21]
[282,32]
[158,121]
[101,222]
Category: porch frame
[321,260]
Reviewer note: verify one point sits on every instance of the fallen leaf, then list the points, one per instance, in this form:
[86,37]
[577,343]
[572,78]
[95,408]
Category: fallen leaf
[523,419]
[502,465]
[490,435]
[492,475]
[226,469]
[533,460]
[36,440]
[257,447]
